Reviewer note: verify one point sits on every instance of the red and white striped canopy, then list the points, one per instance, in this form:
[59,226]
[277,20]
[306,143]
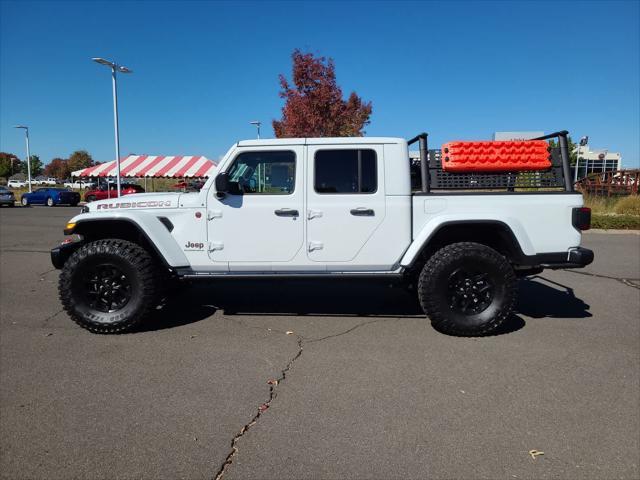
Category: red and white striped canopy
[152,166]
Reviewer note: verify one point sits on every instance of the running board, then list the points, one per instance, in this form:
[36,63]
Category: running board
[190,274]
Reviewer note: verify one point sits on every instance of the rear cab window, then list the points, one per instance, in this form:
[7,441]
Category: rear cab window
[345,171]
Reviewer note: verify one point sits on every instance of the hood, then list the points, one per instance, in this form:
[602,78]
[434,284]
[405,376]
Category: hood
[136,201]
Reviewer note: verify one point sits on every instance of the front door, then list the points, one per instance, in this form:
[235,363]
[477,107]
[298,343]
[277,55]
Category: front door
[258,224]
[346,201]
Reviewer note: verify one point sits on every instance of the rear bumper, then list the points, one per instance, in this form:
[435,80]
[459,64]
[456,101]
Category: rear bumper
[69,199]
[61,253]
[576,257]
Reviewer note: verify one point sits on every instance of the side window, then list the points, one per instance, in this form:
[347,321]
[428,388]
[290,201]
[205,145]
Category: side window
[266,173]
[345,171]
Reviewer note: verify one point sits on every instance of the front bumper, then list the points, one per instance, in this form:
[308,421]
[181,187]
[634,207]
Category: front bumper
[61,253]
[576,257]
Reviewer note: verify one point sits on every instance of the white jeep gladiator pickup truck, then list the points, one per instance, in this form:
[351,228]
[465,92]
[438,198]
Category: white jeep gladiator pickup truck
[330,207]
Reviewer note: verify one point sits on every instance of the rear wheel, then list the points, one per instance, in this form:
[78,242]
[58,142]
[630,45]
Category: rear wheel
[109,286]
[24,201]
[467,289]
[50,202]
[90,198]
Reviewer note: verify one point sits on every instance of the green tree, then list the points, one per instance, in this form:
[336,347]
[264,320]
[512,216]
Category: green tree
[573,149]
[79,159]
[36,166]
[9,164]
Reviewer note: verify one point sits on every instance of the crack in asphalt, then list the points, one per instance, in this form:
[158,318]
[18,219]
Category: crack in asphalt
[355,327]
[301,340]
[44,322]
[48,271]
[272,395]
[625,281]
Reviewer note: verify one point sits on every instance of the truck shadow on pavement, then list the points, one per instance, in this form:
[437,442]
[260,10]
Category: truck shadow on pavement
[538,298]
[543,298]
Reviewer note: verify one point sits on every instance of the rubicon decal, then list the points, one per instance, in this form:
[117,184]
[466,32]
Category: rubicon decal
[149,204]
[194,246]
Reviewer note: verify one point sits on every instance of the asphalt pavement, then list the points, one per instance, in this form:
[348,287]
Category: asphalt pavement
[365,387]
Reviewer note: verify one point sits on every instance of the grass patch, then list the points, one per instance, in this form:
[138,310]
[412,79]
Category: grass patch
[628,205]
[618,213]
[615,222]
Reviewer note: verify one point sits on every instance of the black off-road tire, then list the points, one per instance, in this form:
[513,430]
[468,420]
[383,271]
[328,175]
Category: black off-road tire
[439,274]
[136,265]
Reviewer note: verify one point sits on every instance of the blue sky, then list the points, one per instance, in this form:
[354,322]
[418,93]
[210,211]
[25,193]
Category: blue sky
[203,70]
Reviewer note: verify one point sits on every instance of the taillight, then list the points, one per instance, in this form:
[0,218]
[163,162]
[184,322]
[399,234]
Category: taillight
[581,218]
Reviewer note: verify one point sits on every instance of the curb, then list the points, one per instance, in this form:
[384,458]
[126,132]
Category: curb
[612,231]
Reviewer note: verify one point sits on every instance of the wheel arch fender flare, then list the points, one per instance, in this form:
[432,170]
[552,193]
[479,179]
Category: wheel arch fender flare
[148,225]
[517,236]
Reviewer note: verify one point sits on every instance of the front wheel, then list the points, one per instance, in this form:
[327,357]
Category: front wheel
[24,201]
[50,202]
[467,289]
[90,198]
[109,286]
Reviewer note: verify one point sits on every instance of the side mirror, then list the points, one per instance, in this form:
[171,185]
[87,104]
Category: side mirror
[222,183]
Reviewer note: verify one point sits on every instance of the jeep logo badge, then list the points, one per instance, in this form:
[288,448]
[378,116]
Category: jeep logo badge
[194,246]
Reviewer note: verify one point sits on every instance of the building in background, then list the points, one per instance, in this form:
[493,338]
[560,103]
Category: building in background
[595,161]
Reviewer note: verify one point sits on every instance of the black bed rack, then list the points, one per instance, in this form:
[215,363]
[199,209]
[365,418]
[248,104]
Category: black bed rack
[430,177]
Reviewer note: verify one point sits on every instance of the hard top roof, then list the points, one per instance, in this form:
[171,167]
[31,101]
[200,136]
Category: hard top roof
[263,142]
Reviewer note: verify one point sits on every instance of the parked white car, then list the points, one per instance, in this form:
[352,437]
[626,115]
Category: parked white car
[79,184]
[16,184]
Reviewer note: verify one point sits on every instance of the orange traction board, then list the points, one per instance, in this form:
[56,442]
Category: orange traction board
[487,156]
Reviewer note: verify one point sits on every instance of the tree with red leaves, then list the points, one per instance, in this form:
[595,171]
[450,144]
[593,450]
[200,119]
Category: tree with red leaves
[314,106]
[9,164]
[58,168]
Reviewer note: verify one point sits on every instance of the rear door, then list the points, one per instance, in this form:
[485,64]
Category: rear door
[346,201]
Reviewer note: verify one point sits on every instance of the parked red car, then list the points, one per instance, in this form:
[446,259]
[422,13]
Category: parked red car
[194,185]
[101,193]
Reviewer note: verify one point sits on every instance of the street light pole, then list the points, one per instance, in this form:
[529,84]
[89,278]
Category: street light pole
[257,125]
[26,131]
[114,69]
[583,142]
[116,127]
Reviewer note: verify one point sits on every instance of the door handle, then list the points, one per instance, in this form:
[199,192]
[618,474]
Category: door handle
[286,212]
[362,212]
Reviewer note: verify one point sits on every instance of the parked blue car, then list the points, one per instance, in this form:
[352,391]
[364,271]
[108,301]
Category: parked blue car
[50,197]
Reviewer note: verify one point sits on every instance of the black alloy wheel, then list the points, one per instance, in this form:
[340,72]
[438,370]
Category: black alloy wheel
[110,285]
[467,289]
[470,292]
[107,288]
